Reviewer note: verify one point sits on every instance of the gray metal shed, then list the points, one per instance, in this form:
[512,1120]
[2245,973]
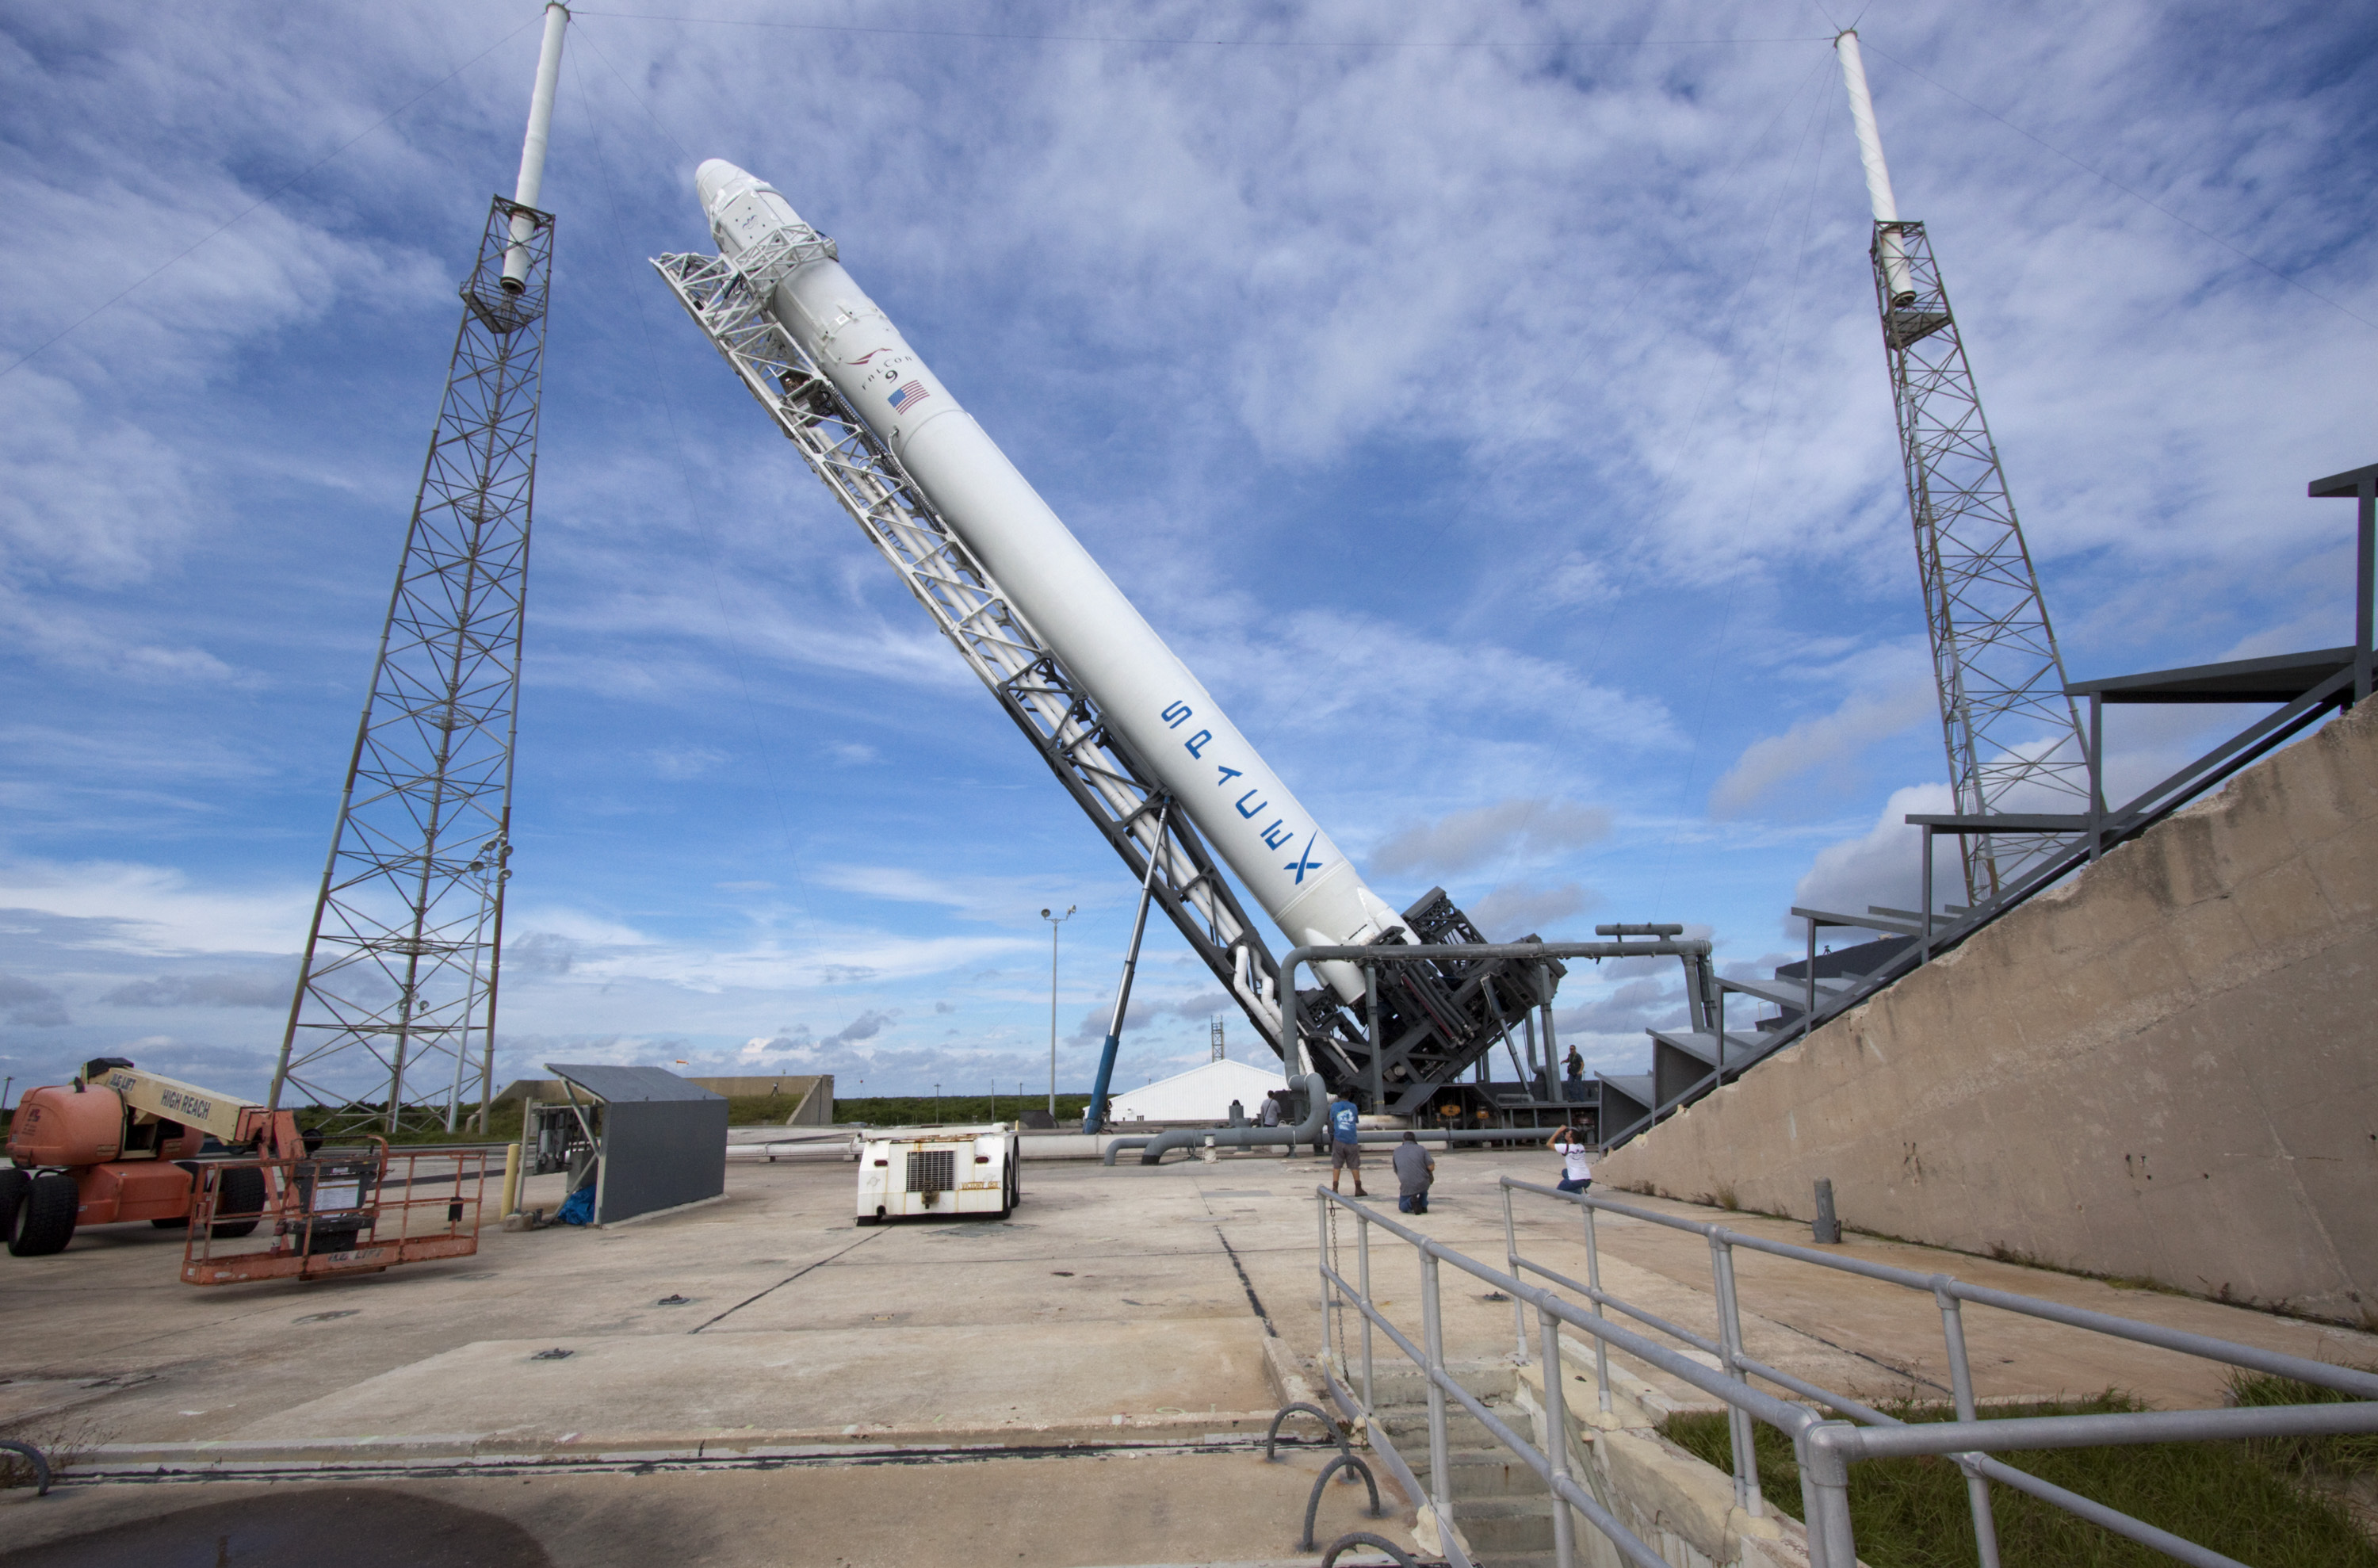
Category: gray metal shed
[660,1141]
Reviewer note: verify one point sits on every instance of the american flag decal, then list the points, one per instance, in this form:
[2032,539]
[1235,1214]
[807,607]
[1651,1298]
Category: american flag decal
[913,393]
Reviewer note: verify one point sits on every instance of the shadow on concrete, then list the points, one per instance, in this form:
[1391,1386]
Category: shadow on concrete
[304,1527]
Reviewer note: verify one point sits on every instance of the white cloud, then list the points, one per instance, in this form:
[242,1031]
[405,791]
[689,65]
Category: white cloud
[1513,909]
[1349,665]
[1885,864]
[687,762]
[1464,840]
[237,988]
[31,1005]
[995,898]
[1828,744]
[150,908]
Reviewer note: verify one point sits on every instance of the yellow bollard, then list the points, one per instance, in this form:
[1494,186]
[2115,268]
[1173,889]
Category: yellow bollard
[511,1179]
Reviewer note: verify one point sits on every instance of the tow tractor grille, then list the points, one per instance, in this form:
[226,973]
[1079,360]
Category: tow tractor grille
[932,1170]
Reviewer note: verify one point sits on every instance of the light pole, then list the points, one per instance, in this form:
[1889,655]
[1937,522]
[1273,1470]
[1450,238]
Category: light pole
[1054,922]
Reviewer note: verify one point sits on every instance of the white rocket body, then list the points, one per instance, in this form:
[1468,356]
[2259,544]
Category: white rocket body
[530,187]
[1250,818]
[1878,173]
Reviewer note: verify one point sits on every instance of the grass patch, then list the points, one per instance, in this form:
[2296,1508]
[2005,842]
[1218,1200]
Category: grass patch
[750,1110]
[2345,1457]
[504,1121]
[503,1127]
[925,1110]
[760,1110]
[2239,1499]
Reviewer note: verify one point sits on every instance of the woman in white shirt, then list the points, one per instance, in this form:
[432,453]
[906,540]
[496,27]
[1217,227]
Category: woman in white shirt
[1576,1174]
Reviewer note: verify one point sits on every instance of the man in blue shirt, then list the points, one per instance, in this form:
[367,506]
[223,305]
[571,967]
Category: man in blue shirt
[1345,1143]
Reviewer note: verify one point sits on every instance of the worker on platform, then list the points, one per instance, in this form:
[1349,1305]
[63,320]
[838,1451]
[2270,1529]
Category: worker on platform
[1345,1143]
[1576,1067]
[1415,1171]
[1576,1174]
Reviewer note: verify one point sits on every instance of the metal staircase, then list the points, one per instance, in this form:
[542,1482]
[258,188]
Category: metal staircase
[1723,1041]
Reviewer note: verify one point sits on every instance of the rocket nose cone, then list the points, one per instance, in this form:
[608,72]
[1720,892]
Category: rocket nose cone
[713,179]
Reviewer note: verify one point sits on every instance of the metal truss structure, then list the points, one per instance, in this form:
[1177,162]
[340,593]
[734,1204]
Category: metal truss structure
[2014,739]
[1437,1024]
[399,974]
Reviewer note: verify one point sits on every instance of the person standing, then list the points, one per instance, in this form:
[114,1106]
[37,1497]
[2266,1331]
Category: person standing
[1345,1143]
[1272,1109]
[1576,1174]
[1416,1173]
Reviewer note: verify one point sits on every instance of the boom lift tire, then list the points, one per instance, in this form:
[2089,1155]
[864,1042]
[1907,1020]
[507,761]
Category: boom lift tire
[239,1192]
[44,1220]
[12,1192]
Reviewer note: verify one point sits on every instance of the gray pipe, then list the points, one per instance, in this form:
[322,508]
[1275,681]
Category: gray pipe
[1153,1149]
[1293,1043]
[1226,1138]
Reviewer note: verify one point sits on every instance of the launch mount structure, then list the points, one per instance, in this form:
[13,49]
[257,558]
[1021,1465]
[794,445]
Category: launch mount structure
[394,1012]
[2014,739]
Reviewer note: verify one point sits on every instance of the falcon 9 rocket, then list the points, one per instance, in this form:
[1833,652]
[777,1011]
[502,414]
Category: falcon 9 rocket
[1280,854]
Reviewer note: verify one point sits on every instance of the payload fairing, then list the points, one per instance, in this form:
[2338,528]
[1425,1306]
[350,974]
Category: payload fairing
[1256,826]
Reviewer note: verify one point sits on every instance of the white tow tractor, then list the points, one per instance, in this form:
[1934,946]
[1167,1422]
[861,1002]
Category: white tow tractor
[910,1173]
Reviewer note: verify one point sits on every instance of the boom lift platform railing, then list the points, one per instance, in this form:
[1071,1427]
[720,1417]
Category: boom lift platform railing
[1824,1448]
[341,1211]
[1431,1027]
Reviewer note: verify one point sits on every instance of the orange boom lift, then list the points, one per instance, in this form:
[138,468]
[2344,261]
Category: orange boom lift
[119,1145]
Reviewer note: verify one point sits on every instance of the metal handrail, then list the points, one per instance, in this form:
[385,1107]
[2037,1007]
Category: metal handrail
[1551,1310]
[2345,1380]
[1825,1448]
[1967,1438]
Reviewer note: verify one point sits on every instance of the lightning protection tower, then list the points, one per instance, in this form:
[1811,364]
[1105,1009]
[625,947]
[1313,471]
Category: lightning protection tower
[2014,739]
[395,1008]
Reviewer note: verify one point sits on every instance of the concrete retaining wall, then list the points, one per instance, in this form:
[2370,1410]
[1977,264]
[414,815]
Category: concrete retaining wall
[2164,1069]
[1676,1504]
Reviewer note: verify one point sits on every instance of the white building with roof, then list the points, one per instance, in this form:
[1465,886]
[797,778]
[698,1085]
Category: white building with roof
[1201,1094]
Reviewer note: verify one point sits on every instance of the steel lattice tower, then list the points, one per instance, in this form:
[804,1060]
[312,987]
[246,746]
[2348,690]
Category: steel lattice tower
[2014,739]
[399,979]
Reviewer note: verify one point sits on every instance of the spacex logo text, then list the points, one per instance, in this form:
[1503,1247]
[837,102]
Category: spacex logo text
[1250,804]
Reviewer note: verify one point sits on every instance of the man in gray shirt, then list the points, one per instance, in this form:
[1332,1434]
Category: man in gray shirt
[1414,1170]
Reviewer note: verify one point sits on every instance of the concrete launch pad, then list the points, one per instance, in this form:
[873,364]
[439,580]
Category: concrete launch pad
[1087,1382]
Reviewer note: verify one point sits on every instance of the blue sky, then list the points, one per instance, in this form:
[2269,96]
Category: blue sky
[1485,399]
